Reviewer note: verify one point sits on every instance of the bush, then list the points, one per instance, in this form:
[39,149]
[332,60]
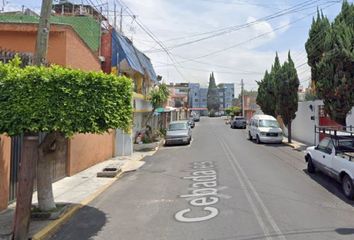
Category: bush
[56,99]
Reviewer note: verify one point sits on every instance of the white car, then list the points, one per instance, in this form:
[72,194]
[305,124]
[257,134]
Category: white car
[333,156]
[264,128]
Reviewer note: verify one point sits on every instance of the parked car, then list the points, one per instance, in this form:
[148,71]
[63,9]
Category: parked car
[191,122]
[178,132]
[196,117]
[265,128]
[238,122]
[334,156]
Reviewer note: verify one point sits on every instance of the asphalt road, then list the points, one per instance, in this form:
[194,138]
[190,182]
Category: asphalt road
[223,186]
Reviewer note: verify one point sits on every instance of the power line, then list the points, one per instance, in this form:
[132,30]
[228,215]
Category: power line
[231,27]
[299,7]
[153,37]
[254,38]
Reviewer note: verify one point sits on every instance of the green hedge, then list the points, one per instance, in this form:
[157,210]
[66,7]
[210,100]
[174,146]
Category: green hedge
[39,99]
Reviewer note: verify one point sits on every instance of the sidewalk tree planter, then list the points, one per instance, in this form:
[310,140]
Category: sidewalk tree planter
[60,102]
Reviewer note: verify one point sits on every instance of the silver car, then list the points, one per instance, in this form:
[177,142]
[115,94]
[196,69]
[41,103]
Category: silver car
[178,132]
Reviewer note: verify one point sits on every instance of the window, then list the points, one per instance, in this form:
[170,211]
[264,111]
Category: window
[196,100]
[325,145]
[255,123]
[195,94]
[177,126]
[268,123]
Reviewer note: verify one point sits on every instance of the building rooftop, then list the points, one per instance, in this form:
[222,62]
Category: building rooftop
[85,26]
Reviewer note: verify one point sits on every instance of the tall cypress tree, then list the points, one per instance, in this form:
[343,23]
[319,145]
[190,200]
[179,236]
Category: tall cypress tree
[266,97]
[286,88]
[213,96]
[334,71]
[315,43]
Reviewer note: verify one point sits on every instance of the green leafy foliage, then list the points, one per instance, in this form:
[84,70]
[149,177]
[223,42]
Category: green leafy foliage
[278,91]
[159,96]
[266,95]
[213,103]
[315,44]
[286,88]
[233,111]
[40,99]
[334,68]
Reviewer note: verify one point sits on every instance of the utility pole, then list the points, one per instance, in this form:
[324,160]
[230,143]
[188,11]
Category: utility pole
[115,16]
[121,20]
[29,152]
[41,50]
[242,99]
[3,6]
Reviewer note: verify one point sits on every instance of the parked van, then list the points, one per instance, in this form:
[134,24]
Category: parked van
[265,128]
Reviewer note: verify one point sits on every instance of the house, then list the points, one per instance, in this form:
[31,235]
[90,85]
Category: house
[250,106]
[127,60]
[74,41]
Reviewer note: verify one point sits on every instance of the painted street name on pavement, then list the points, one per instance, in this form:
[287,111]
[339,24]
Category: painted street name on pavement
[203,196]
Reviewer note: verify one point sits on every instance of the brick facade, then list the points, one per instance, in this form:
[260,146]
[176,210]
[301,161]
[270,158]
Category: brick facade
[65,47]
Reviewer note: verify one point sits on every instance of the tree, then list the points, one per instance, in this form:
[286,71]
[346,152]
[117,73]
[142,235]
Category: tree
[286,89]
[334,70]
[213,95]
[315,44]
[266,96]
[157,96]
[233,111]
[60,102]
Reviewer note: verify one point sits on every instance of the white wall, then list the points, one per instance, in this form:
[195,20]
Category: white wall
[350,118]
[303,128]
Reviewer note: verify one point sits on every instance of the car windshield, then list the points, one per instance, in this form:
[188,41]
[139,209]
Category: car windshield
[239,118]
[177,126]
[268,123]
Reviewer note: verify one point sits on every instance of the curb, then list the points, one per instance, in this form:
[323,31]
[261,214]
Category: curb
[289,144]
[54,226]
[51,228]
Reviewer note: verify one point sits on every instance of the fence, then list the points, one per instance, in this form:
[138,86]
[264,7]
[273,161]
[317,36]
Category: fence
[7,55]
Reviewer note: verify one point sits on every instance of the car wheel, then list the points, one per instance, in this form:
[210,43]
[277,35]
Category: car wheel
[310,167]
[250,136]
[258,141]
[348,188]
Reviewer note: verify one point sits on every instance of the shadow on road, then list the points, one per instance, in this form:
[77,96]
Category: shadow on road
[84,225]
[330,185]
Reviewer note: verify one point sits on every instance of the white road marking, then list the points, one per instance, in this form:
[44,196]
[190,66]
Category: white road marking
[248,196]
[239,171]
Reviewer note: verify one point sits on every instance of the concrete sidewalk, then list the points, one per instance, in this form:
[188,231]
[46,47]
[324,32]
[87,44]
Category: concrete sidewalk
[299,146]
[78,190]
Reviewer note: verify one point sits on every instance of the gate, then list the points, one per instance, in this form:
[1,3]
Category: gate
[16,146]
[59,166]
